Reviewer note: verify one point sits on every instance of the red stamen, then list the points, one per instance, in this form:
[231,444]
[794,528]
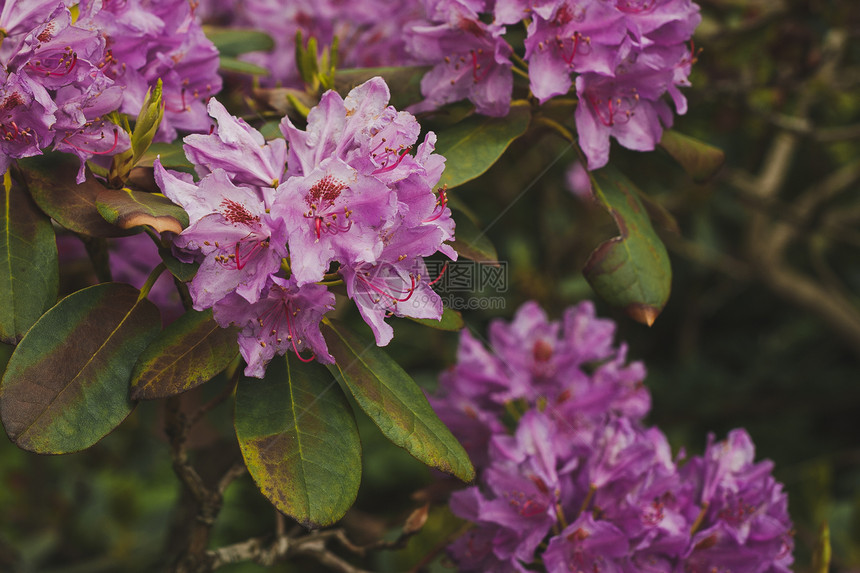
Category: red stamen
[184,104]
[475,66]
[389,295]
[292,335]
[565,57]
[442,272]
[49,72]
[440,203]
[387,167]
[240,264]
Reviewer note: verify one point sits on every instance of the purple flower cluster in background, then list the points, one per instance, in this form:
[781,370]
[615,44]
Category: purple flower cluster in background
[569,476]
[621,57]
[626,55]
[370,32]
[273,223]
[62,75]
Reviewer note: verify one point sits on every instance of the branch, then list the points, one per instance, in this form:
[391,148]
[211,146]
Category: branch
[805,205]
[803,126]
[837,312]
[267,551]
[207,501]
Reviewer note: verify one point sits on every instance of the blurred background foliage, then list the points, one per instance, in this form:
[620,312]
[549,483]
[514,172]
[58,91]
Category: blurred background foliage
[762,329]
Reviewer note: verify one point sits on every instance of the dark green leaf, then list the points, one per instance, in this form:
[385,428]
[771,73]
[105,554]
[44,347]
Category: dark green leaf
[406,80]
[50,178]
[5,355]
[472,243]
[128,209]
[188,353]
[235,66]
[298,436]
[183,271]
[394,402]
[700,160]
[451,321]
[631,271]
[29,278]
[66,385]
[235,41]
[475,144]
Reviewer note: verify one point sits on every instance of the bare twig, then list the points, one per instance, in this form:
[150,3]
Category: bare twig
[840,314]
[267,551]
[805,205]
[767,239]
[207,500]
[805,127]
[318,551]
[280,547]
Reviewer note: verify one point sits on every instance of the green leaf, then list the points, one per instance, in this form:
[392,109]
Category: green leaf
[186,354]
[271,130]
[235,41]
[183,271]
[451,321]
[394,402]
[284,101]
[298,436]
[29,273]
[471,242]
[700,160]
[50,178]
[475,144]
[235,66]
[66,385]
[631,271]
[406,79]
[172,156]
[128,209]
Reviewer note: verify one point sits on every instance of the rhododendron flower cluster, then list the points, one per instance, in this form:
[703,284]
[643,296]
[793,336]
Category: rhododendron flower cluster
[62,75]
[577,482]
[626,55]
[471,59]
[274,223]
[621,57]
